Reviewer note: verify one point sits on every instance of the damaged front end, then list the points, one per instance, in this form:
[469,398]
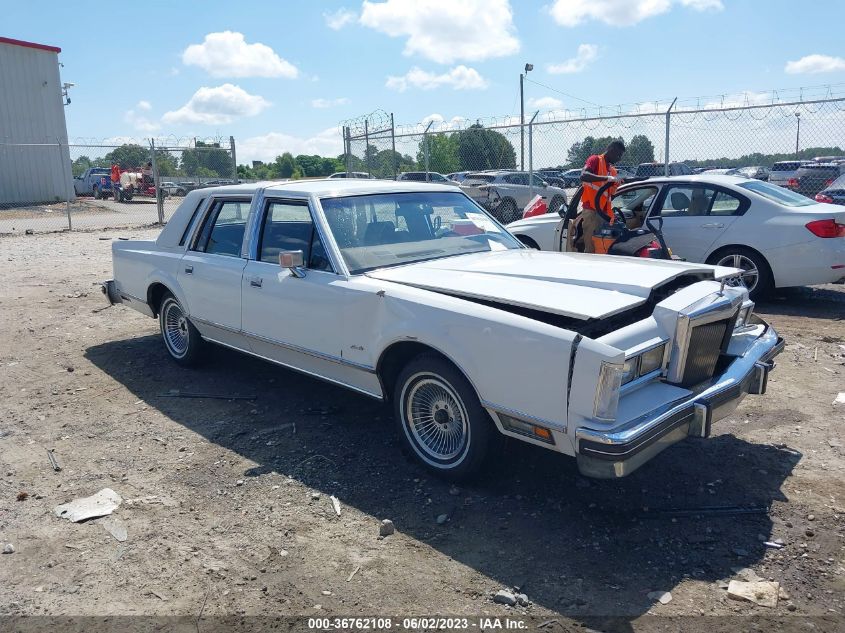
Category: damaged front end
[667,377]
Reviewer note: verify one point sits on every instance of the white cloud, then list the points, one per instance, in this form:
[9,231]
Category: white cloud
[439,122]
[328,103]
[227,54]
[811,64]
[446,31]
[265,148]
[139,121]
[216,106]
[586,54]
[545,103]
[459,78]
[621,12]
[338,19]
[736,100]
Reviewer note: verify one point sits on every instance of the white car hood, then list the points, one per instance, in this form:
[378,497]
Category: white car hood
[570,284]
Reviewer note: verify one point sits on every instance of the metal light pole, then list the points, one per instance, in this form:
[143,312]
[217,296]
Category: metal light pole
[528,68]
[797,132]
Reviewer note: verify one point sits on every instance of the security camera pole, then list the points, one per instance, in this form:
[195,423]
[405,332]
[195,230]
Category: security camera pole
[528,67]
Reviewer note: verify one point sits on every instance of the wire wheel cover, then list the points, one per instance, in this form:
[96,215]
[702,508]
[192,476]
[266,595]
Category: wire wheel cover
[436,418]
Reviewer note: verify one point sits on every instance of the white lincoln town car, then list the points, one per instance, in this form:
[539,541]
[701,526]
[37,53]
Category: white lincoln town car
[412,293]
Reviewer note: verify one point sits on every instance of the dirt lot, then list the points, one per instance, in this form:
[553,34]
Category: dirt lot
[227,502]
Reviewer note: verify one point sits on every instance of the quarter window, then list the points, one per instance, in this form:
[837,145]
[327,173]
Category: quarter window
[725,204]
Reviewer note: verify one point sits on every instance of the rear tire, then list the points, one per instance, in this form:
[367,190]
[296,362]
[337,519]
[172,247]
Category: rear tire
[181,339]
[757,276]
[97,194]
[440,419]
[508,211]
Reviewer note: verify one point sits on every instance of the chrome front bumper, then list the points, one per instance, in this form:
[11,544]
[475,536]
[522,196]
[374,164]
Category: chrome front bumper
[620,451]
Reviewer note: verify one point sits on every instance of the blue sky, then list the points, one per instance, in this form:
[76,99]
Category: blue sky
[193,69]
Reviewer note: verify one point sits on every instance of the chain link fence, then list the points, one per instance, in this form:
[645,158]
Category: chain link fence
[54,187]
[795,141]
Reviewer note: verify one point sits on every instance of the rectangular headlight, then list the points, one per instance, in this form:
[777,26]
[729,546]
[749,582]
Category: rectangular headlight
[652,360]
[629,369]
[745,313]
[607,391]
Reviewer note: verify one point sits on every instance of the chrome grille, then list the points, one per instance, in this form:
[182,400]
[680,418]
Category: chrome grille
[706,343]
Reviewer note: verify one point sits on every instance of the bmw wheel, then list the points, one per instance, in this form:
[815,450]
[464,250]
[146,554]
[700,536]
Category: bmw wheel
[508,211]
[440,418]
[181,338]
[756,275]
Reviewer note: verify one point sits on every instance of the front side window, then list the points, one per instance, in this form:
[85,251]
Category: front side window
[223,230]
[288,226]
[384,230]
[635,201]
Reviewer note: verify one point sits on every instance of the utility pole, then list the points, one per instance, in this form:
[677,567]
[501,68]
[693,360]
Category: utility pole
[797,133]
[528,68]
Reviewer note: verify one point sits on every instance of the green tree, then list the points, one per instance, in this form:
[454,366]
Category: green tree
[480,148]
[442,153]
[639,150]
[284,167]
[78,166]
[209,156]
[129,156]
[581,151]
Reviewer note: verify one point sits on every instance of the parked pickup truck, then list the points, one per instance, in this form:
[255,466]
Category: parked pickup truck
[94,181]
[412,293]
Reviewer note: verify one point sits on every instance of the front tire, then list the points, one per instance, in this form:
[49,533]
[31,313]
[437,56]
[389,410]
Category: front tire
[181,339]
[756,274]
[440,419]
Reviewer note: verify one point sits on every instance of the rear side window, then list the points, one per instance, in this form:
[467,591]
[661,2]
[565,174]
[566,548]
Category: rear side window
[787,166]
[191,222]
[223,230]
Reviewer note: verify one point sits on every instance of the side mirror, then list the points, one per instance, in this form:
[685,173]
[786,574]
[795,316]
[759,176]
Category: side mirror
[293,261]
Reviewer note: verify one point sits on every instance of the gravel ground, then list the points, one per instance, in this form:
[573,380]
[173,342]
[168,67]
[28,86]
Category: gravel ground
[227,502]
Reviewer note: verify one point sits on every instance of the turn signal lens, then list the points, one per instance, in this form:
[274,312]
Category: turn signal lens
[607,392]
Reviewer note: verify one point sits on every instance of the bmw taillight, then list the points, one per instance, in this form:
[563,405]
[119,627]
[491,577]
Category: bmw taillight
[820,197]
[826,228]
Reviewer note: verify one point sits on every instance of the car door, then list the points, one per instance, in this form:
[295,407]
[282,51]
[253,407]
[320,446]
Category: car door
[295,319]
[210,272]
[695,216]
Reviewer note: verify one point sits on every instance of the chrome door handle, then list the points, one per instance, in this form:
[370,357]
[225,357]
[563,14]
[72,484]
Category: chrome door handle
[713,225]
[189,269]
[256,282]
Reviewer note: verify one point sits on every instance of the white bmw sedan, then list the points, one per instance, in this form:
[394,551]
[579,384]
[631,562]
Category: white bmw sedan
[777,237]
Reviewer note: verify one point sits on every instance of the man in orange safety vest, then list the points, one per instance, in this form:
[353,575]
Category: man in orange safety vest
[598,171]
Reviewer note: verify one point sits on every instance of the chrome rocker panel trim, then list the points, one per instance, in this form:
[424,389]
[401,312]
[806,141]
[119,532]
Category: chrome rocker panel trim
[619,452]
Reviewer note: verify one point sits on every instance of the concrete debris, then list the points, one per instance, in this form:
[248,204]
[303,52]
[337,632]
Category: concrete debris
[115,527]
[386,528]
[101,504]
[746,573]
[239,482]
[522,600]
[315,496]
[663,597]
[352,575]
[773,544]
[335,504]
[8,548]
[504,597]
[760,592]
[53,463]
[442,518]
[840,398]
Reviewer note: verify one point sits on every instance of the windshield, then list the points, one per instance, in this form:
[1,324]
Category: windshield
[777,194]
[391,229]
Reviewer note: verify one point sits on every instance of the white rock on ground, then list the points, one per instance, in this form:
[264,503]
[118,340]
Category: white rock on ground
[760,592]
[386,528]
[504,597]
[663,597]
[104,502]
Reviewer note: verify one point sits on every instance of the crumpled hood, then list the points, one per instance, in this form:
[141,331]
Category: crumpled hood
[570,284]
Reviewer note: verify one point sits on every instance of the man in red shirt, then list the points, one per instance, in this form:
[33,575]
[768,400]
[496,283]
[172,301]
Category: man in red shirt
[115,181]
[598,170]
